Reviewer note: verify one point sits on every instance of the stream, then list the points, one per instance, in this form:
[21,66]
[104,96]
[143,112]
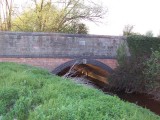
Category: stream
[141,99]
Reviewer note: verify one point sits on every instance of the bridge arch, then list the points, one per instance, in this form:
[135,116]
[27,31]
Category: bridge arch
[82,61]
[93,70]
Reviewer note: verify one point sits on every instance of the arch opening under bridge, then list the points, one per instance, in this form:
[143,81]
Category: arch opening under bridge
[93,70]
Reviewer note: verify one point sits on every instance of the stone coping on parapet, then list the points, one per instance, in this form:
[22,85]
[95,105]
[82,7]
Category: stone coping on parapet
[56,56]
[59,34]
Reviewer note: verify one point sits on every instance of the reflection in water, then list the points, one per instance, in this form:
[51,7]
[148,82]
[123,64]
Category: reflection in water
[98,77]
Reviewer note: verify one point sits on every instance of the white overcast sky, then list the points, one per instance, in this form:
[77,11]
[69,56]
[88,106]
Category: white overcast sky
[143,14]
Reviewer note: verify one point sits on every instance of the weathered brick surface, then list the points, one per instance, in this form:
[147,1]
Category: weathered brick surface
[47,63]
[23,44]
[52,63]
[112,63]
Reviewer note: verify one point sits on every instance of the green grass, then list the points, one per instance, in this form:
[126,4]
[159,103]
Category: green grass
[28,93]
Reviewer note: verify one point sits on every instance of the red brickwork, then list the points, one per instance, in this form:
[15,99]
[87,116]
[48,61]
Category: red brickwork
[52,63]
[112,63]
[47,63]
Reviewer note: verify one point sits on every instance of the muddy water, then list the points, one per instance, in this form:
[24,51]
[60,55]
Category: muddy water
[144,100]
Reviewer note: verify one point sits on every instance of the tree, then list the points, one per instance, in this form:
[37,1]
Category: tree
[6,14]
[149,33]
[78,28]
[60,16]
[82,29]
[128,30]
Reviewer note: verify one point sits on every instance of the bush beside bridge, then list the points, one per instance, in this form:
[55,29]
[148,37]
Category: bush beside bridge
[139,73]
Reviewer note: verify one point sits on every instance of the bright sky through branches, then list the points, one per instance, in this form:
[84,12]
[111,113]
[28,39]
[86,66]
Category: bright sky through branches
[143,14]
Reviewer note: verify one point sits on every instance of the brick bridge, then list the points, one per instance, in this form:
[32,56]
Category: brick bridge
[57,51]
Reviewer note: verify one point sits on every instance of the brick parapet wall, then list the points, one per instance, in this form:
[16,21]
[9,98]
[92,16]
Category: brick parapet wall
[58,45]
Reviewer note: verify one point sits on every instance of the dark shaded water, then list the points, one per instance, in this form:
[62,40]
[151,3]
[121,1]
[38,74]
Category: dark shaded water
[141,99]
[144,100]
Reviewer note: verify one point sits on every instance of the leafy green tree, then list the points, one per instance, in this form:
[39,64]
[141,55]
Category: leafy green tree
[61,16]
[78,28]
[82,29]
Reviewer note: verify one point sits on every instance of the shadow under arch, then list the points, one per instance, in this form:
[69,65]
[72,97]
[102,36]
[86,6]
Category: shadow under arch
[82,61]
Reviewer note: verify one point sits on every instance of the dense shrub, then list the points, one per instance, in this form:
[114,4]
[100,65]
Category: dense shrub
[129,76]
[132,74]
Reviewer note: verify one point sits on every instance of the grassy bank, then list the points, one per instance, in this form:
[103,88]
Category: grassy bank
[28,93]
